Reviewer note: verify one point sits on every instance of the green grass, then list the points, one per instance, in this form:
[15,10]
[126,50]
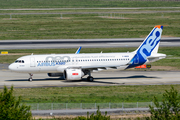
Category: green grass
[83,10]
[82,26]
[172,59]
[84,3]
[97,94]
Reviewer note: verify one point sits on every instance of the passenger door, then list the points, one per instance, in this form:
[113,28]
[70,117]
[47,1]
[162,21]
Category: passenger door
[32,62]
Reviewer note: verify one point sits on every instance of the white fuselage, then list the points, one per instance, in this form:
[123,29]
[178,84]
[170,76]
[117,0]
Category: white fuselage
[57,63]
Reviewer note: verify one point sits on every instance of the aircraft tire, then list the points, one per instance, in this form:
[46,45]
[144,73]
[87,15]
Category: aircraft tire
[90,78]
[30,80]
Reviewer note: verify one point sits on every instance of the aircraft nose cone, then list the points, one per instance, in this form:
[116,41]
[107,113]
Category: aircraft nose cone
[11,67]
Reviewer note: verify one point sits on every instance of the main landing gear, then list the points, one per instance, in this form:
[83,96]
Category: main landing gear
[90,78]
[30,78]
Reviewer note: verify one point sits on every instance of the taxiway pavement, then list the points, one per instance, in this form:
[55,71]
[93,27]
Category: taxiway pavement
[85,43]
[104,78]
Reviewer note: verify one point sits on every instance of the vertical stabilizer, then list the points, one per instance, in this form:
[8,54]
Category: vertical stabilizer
[151,43]
[149,46]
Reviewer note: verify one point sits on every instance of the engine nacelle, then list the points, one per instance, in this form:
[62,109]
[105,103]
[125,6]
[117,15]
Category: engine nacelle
[73,74]
[55,74]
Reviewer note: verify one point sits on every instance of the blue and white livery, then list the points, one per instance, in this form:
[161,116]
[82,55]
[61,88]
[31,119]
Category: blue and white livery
[75,66]
[148,48]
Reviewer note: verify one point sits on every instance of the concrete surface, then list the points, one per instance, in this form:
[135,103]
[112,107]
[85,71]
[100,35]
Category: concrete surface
[85,43]
[104,78]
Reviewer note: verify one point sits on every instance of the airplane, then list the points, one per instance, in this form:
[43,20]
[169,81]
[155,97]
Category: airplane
[75,66]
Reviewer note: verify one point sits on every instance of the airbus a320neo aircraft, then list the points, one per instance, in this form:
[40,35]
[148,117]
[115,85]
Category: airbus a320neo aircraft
[75,66]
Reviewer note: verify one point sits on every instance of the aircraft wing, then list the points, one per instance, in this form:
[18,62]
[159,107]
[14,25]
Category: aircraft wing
[100,68]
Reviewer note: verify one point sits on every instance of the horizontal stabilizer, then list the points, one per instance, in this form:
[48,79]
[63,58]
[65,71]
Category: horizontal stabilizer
[155,57]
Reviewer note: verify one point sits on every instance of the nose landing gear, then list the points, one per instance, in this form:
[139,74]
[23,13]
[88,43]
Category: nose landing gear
[30,78]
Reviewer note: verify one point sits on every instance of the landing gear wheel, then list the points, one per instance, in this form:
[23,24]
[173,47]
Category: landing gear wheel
[90,78]
[30,79]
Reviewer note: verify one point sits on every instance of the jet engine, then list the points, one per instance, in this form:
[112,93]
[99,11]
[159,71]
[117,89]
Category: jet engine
[73,74]
[55,74]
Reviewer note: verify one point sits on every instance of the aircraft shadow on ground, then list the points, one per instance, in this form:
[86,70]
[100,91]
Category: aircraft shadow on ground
[46,79]
[129,77]
[85,80]
[96,80]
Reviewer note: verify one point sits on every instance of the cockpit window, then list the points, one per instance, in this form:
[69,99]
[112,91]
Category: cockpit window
[19,61]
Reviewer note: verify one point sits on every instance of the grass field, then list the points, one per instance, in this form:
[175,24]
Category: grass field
[84,3]
[82,26]
[97,94]
[99,10]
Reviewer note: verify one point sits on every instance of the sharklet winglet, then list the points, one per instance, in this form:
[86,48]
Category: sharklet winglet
[78,50]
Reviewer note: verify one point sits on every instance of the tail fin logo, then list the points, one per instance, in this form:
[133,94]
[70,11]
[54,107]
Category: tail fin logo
[146,48]
[150,43]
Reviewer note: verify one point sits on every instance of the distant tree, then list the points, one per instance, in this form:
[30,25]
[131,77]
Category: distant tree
[11,109]
[168,109]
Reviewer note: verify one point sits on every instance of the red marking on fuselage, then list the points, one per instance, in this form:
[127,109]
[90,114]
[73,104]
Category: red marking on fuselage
[74,73]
